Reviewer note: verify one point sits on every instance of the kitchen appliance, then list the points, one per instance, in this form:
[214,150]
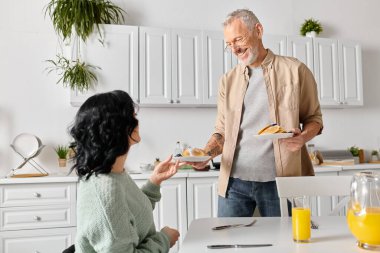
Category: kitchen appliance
[336,157]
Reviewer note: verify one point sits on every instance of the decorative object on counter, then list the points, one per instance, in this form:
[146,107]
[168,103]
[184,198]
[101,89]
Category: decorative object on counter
[206,168]
[146,167]
[355,153]
[62,152]
[311,28]
[156,162]
[361,156]
[28,146]
[374,155]
[178,149]
[313,154]
[74,22]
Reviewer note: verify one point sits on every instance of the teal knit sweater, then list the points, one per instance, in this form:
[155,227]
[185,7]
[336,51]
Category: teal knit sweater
[114,215]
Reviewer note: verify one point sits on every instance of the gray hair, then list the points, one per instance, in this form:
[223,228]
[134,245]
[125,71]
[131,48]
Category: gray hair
[245,15]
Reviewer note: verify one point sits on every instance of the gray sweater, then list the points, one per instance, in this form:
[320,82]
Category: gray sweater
[114,215]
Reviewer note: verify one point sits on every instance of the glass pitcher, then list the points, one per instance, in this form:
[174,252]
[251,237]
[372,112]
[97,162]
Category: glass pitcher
[363,216]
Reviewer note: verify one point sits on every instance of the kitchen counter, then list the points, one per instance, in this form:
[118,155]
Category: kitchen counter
[53,178]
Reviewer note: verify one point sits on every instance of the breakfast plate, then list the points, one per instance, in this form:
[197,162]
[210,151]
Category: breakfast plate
[192,158]
[273,136]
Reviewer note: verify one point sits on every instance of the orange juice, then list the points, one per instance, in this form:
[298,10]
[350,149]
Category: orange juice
[366,228]
[301,224]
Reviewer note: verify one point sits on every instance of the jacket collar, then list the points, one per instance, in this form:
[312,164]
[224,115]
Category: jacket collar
[266,63]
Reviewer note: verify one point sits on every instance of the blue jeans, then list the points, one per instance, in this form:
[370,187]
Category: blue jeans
[242,197]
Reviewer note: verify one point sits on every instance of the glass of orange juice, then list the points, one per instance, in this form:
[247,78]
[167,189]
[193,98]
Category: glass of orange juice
[301,221]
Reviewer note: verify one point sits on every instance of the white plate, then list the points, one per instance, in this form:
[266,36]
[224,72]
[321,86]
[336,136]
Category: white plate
[273,136]
[192,158]
[26,144]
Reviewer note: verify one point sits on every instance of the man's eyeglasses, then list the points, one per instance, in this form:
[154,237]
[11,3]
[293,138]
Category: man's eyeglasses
[237,42]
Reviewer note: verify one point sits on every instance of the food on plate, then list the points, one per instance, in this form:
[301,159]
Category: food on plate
[272,129]
[193,152]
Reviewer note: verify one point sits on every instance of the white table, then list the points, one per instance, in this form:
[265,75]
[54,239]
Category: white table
[333,236]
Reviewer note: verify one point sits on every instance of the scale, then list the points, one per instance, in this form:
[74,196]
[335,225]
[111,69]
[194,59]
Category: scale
[27,146]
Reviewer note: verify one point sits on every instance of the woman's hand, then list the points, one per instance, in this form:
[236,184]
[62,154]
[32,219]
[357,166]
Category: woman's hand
[164,170]
[172,233]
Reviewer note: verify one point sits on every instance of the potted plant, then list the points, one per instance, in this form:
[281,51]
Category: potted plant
[311,28]
[355,153]
[79,19]
[62,152]
[374,155]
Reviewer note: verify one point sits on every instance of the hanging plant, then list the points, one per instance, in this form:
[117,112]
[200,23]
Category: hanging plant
[74,74]
[82,15]
[79,18]
[311,25]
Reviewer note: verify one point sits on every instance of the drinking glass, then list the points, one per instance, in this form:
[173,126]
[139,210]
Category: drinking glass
[301,221]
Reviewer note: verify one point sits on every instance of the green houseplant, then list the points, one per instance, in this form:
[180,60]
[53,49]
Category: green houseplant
[374,155]
[311,25]
[354,150]
[79,18]
[62,152]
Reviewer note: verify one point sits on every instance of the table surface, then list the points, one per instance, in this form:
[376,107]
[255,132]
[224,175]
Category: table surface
[333,236]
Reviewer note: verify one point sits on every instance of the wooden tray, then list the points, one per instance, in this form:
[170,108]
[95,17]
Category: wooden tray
[374,162]
[29,175]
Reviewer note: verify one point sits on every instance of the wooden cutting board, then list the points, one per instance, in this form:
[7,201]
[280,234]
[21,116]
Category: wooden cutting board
[29,175]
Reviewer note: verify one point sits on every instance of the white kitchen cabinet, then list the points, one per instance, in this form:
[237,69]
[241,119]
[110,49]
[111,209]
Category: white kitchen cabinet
[117,59]
[338,72]
[302,49]
[171,209]
[170,66]
[37,217]
[202,198]
[276,43]
[216,62]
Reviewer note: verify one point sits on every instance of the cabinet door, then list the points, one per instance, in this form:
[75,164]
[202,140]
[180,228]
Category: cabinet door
[41,240]
[350,73]
[117,59]
[326,71]
[171,210]
[276,43]
[155,66]
[216,62]
[187,83]
[302,49]
[202,198]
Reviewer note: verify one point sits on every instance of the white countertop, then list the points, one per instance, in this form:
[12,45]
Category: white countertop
[61,177]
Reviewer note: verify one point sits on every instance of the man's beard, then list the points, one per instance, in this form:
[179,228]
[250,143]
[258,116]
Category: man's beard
[252,57]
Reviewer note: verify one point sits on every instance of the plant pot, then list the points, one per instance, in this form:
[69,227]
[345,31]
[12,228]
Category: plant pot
[356,159]
[374,158]
[311,34]
[62,162]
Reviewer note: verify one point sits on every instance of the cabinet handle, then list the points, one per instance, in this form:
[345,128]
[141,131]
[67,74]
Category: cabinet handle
[37,195]
[37,218]
[177,101]
[170,101]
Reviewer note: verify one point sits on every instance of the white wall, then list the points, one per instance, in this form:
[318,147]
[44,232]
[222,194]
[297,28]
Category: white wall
[30,101]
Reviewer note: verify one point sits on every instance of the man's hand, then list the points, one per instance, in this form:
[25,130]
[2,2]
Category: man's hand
[296,142]
[199,165]
[164,170]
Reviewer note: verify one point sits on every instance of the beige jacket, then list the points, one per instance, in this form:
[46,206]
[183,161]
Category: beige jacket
[293,100]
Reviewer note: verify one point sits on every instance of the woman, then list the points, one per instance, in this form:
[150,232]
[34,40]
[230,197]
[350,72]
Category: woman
[114,215]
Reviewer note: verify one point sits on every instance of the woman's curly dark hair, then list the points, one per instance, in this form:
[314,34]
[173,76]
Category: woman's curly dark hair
[101,132]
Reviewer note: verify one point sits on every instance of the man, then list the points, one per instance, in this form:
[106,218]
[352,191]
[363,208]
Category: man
[263,89]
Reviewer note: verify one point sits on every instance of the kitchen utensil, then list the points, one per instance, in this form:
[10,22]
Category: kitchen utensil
[226,246]
[234,226]
[363,216]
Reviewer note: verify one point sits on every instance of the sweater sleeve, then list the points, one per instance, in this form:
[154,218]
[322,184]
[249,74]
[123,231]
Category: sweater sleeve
[152,191]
